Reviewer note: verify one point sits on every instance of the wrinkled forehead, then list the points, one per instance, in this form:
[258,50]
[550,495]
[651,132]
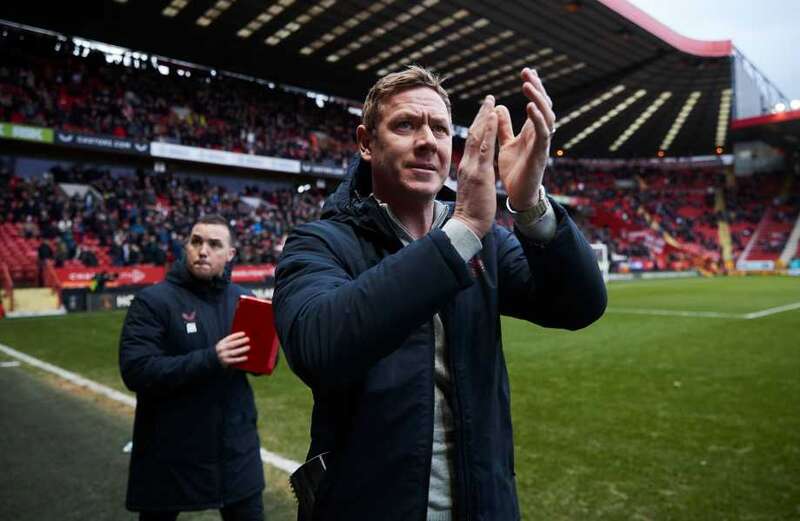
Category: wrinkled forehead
[417,101]
[211,232]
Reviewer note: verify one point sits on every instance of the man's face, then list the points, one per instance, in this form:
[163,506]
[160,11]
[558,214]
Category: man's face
[208,250]
[410,149]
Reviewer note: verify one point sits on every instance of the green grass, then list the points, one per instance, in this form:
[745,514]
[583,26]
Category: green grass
[636,417]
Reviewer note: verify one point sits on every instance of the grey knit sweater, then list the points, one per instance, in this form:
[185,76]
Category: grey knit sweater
[440,487]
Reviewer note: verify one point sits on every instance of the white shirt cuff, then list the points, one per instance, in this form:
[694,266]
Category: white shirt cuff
[464,240]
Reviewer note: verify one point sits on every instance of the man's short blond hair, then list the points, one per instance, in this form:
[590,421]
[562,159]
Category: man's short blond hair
[413,76]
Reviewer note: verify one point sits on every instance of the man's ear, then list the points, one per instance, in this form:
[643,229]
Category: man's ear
[364,138]
[231,254]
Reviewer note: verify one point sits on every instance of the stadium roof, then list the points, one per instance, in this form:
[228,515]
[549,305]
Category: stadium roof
[781,129]
[624,85]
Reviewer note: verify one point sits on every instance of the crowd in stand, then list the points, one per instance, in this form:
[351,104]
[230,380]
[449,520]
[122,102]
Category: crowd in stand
[46,84]
[746,203]
[775,240]
[145,219]
[621,205]
[634,209]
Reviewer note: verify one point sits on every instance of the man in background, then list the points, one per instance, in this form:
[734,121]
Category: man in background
[195,444]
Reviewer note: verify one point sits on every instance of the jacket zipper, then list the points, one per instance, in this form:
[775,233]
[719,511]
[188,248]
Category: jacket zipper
[462,507]
[432,374]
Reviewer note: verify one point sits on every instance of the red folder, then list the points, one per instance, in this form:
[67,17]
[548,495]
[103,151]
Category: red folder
[254,317]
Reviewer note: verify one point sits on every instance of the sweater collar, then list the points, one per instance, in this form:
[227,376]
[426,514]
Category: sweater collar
[440,213]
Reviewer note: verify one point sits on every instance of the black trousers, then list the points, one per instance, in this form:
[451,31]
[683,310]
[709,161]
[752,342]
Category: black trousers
[249,509]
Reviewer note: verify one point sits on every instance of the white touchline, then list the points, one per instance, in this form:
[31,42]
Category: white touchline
[705,314]
[278,461]
[268,457]
[772,311]
[639,283]
[71,377]
[673,313]
[13,363]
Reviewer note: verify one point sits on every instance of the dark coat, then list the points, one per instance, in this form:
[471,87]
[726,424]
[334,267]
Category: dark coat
[354,312]
[195,444]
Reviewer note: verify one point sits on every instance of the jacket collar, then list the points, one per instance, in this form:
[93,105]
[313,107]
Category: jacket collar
[180,275]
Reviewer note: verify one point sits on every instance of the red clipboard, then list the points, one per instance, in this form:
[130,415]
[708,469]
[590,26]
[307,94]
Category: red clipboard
[254,316]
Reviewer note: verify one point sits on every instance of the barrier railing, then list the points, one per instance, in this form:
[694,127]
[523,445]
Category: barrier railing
[8,285]
[51,281]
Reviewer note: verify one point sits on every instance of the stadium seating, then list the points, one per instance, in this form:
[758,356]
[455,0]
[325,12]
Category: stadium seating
[650,218]
[18,253]
[770,239]
[139,220]
[45,86]
[763,212]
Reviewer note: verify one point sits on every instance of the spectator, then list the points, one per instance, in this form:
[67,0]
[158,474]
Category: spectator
[44,254]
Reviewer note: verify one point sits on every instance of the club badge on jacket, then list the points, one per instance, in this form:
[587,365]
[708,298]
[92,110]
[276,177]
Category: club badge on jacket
[191,325]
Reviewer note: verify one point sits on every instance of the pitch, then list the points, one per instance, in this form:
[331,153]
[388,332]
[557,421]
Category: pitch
[680,403]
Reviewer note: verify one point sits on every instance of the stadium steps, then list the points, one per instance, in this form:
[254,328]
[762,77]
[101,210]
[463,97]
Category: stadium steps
[751,244]
[791,247]
[29,302]
[723,229]
[726,242]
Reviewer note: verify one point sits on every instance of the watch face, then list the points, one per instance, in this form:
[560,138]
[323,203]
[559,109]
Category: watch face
[531,214]
[539,210]
[534,214]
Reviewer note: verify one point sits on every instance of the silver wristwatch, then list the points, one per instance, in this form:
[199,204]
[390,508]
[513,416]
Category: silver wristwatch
[532,214]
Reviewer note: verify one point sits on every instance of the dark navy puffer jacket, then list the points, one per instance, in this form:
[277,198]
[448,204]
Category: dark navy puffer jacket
[195,444]
[354,312]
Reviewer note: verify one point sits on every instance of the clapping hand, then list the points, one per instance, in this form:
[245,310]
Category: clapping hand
[523,158]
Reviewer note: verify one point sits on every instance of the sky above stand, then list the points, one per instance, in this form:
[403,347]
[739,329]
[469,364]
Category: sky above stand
[767,32]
